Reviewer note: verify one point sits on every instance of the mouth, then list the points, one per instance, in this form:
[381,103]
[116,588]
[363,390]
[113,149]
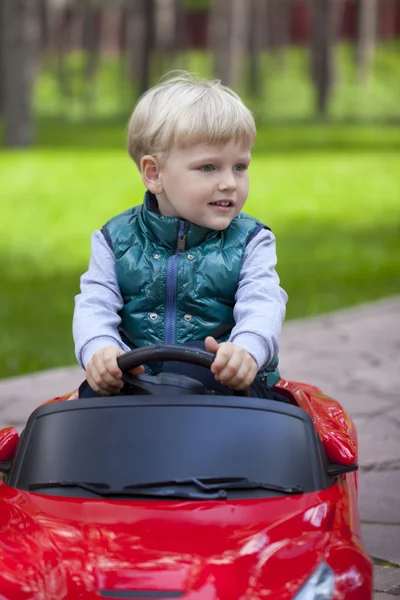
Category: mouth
[225,204]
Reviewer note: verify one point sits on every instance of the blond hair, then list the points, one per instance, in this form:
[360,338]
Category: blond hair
[182,111]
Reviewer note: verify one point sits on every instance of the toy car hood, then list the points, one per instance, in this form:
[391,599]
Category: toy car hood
[55,547]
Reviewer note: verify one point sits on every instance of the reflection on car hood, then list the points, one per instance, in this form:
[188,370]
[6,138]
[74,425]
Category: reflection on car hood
[68,548]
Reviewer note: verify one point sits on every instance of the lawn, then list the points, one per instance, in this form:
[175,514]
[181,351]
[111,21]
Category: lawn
[331,194]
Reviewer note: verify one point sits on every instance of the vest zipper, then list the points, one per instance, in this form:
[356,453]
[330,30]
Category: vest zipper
[172,276]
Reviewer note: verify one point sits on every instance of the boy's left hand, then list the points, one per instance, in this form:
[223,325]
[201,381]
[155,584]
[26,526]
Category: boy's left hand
[233,366]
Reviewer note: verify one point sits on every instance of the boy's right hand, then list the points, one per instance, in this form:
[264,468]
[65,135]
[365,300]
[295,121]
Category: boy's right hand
[103,374]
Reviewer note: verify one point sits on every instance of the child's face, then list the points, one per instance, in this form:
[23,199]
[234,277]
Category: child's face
[196,180]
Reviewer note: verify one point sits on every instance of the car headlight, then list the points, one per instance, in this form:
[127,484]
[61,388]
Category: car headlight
[319,586]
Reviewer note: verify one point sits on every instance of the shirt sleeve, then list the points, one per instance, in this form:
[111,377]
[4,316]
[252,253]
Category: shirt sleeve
[96,319]
[260,302]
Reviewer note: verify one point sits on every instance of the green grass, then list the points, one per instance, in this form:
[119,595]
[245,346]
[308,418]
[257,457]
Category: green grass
[330,194]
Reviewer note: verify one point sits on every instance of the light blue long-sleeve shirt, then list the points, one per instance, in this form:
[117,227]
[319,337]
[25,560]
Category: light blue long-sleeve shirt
[259,311]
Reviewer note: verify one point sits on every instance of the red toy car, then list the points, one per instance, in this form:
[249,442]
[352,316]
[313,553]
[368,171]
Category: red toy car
[180,493]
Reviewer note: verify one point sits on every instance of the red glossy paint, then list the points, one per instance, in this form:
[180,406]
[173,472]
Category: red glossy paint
[8,443]
[333,425]
[67,548]
[56,548]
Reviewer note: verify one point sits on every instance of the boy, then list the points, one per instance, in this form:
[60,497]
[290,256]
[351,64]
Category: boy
[186,265]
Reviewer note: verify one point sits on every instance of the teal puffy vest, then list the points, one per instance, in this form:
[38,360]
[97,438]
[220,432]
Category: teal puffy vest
[178,280]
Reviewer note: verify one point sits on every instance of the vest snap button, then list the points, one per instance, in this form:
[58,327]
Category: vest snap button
[190,256]
[153,316]
[156,256]
[188,317]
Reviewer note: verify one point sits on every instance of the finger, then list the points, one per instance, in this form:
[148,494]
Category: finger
[99,388]
[235,372]
[106,389]
[106,383]
[230,370]
[90,376]
[93,385]
[211,344]
[102,373]
[137,370]
[242,378]
[222,358]
[110,362]
[245,381]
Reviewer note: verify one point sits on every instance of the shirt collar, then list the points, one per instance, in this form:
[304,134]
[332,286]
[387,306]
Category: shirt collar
[165,230]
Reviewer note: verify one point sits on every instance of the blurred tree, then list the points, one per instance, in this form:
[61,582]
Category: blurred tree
[165,24]
[21,27]
[257,36]
[196,5]
[63,20]
[366,37]
[134,31]
[180,30]
[326,16]
[44,24]
[1,59]
[140,31]
[387,18]
[229,22]
[92,17]
[279,28]
[169,34]
[218,37]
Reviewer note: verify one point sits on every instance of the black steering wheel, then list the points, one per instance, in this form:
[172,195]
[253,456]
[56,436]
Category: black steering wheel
[166,383]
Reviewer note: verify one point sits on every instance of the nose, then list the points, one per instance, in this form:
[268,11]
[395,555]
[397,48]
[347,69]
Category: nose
[227,181]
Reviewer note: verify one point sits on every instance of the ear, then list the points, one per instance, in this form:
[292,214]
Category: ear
[150,171]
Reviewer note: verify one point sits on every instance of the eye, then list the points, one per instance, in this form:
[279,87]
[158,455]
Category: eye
[240,167]
[207,168]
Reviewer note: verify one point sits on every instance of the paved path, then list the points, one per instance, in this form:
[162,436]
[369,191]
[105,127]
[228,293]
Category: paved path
[353,355]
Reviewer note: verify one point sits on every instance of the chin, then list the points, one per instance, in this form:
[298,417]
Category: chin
[220,227]
[213,224]
[218,224]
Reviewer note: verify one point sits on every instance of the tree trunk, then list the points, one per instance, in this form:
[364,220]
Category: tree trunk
[257,35]
[168,34]
[180,36]
[134,34]
[366,37]
[91,37]
[140,40]
[279,29]
[325,25]
[44,24]
[229,24]
[92,18]
[165,24]
[21,36]
[219,28]
[239,39]
[64,18]
[2,48]
[148,46]
[387,19]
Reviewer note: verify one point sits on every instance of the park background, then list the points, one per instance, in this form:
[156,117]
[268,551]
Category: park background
[323,80]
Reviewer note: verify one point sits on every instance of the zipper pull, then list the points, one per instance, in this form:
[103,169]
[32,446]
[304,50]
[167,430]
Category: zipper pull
[182,242]
[182,237]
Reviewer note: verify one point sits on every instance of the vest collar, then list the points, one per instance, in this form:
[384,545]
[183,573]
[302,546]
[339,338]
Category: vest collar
[165,230]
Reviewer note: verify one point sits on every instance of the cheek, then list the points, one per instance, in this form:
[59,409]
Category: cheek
[244,186]
[174,185]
